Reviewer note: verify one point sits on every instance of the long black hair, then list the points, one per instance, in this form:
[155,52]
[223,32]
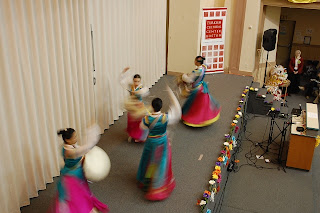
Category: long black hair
[200,59]
[66,133]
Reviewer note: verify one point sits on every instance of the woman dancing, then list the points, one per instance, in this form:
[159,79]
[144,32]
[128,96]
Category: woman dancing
[200,109]
[74,195]
[137,91]
[155,175]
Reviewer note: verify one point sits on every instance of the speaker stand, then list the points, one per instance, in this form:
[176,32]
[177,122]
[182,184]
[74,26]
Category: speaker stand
[265,71]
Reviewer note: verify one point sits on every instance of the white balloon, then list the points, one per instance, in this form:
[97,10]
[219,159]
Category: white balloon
[96,164]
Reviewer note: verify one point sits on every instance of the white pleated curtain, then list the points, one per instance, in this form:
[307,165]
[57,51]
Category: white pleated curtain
[46,80]
[126,33]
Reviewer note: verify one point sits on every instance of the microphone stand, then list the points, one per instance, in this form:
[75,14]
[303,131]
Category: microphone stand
[282,140]
[283,134]
[265,71]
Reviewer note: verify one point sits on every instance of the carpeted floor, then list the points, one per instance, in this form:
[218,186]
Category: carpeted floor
[119,189]
[268,187]
[248,190]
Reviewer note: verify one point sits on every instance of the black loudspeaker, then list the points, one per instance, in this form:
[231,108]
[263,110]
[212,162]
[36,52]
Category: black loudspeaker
[269,39]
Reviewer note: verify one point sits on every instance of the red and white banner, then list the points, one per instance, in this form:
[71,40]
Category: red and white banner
[213,38]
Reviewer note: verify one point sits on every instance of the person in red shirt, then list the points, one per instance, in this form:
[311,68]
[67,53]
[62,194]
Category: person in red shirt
[295,71]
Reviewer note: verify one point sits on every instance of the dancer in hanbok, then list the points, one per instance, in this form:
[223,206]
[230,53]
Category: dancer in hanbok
[200,109]
[74,195]
[155,175]
[134,104]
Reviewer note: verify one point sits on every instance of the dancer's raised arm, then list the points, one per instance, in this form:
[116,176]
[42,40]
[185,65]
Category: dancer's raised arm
[93,137]
[125,78]
[174,112]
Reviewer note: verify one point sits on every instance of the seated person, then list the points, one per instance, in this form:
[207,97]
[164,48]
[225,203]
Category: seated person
[312,88]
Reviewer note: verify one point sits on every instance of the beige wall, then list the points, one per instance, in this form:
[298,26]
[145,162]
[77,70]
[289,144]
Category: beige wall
[251,23]
[183,35]
[219,3]
[248,50]
[305,19]
[208,3]
[203,4]
[185,32]
[272,21]
[229,4]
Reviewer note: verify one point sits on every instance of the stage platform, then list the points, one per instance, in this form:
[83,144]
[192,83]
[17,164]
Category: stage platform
[192,172]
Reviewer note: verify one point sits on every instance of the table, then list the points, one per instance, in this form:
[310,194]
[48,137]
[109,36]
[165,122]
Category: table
[301,144]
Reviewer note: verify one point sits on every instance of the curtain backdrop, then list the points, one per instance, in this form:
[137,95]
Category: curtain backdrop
[46,81]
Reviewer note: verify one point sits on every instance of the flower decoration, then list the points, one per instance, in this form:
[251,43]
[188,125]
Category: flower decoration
[234,141]
[206,194]
[228,153]
[217,171]
[212,196]
[203,202]
[225,160]
[215,176]
[230,147]
[225,155]
[317,141]
[214,191]
[211,182]
[219,180]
